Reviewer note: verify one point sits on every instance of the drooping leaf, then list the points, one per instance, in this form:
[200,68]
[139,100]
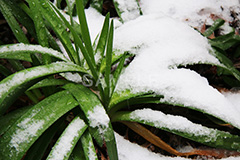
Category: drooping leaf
[67,141]
[22,134]
[182,127]
[88,146]
[15,84]
[22,51]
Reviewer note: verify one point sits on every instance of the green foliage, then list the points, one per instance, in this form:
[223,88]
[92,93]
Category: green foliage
[33,126]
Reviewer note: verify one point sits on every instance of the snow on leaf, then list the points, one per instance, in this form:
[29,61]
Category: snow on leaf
[98,118]
[161,44]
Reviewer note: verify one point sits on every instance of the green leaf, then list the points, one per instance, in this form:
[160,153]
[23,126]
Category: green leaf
[67,141]
[22,134]
[228,65]
[4,70]
[49,82]
[117,73]
[103,37]
[79,42]
[108,64]
[22,17]
[217,23]
[182,127]
[88,146]
[22,51]
[15,84]
[131,8]
[12,22]
[98,120]
[97,4]
[40,27]
[59,28]
[77,153]
[84,27]
[37,150]
[9,119]
[224,42]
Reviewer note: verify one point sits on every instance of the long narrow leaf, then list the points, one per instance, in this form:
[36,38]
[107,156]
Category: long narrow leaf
[218,23]
[22,51]
[59,28]
[67,141]
[40,27]
[117,73]
[102,41]
[17,31]
[16,83]
[108,64]
[88,146]
[84,27]
[183,127]
[19,138]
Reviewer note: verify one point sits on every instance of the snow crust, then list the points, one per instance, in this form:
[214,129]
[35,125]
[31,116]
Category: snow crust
[64,144]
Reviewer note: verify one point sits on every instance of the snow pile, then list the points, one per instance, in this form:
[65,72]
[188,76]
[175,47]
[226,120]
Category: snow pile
[194,12]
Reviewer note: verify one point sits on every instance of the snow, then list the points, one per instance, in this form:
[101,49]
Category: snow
[21,47]
[65,143]
[98,118]
[27,128]
[176,123]
[160,47]
[129,9]
[130,151]
[194,12]
[234,98]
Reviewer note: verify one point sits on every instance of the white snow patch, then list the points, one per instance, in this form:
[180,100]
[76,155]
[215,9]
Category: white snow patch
[74,77]
[234,98]
[91,151]
[131,151]
[27,128]
[98,118]
[194,12]
[64,144]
